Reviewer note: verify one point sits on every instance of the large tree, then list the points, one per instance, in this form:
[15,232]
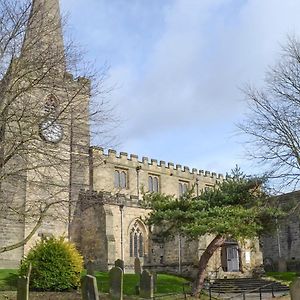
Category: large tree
[44,115]
[272,125]
[238,208]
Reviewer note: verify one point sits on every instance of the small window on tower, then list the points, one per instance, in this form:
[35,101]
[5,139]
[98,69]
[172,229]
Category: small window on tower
[51,106]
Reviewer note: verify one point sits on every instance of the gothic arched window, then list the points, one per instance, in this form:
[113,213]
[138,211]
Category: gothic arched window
[141,245]
[117,179]
[150,182]
[153,183]
[123,179]
[120,179]
[183,187]
[136,243]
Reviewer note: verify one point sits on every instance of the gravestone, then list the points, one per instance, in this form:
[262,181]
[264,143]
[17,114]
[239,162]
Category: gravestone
[295,289]
[137,266]
[90,268]
[89,289]
[119,263]
[282,264]
[23,286]
[116,283]
[154,274]
[146,285]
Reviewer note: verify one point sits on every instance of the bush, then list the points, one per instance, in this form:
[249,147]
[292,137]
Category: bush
[56,265]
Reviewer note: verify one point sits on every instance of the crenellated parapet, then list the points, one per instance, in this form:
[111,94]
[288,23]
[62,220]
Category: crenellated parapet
[132,160]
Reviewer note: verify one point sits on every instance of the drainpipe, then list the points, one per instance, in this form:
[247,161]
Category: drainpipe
[138,168]
[121,206]
[278,238]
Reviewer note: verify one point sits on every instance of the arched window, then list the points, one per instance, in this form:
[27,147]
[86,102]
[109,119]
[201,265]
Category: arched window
[141,245]
[131,244]
[183,187]
[123,180]
[51,106]
[117,179]
[136,243]
[153,183]
[120,179]
[150,181]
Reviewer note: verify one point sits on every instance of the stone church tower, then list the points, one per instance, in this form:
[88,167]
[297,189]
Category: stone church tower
[43,179]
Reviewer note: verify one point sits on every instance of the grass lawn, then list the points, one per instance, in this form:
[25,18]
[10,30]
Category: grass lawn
[8,280]
[166,284]
[285,277]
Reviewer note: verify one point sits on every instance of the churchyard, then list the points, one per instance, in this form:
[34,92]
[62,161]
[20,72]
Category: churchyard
[101,285]
[108,285]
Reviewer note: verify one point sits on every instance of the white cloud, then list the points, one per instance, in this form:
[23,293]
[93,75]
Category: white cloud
[179,65]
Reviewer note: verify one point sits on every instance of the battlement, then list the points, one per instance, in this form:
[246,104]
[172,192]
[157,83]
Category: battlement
[132,160]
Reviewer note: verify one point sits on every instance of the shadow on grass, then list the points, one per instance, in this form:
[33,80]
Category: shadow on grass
[9,282]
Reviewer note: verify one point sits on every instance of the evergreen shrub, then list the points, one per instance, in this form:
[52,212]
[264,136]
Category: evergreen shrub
[56,265]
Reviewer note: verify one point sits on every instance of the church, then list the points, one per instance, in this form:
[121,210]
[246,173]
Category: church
[59,184]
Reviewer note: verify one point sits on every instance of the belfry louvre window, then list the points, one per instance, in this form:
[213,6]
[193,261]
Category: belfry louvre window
[153,183]
[183,187]
[136,242]
[120,180]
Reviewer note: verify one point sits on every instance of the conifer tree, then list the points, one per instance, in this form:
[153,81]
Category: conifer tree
[238,208]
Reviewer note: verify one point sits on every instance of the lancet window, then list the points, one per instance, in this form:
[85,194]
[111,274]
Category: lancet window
[153,183]
[136,242]
[183,187]
[51,106]
[120,180]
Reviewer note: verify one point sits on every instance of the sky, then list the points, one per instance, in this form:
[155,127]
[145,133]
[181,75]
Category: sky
[177,68]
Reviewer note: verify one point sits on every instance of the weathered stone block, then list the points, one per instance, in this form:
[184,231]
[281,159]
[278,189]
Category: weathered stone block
[116,283]
[89,289]
[282,267]
[146,285]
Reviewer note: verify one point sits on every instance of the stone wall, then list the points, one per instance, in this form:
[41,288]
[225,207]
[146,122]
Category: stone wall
[285,240]
[138,172]
[101,240]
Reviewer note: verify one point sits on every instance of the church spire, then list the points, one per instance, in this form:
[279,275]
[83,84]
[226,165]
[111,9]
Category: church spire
[44,31]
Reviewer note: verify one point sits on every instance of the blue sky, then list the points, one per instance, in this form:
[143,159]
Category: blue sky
[177,67]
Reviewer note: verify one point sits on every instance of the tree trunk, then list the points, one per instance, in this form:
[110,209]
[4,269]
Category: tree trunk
[215,244]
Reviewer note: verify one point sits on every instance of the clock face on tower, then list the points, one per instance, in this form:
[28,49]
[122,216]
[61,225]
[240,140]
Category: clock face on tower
[51,131]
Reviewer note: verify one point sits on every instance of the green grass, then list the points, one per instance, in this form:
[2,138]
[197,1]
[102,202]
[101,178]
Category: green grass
[8,279]
[166,284]
[286,277]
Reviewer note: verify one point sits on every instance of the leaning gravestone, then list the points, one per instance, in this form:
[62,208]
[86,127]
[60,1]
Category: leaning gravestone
[137,266]
[23,286]
[154,274]
[89,289]
[282,267]
[146,285]
[295,289]
[119,263]
[116,283]
[90,268]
